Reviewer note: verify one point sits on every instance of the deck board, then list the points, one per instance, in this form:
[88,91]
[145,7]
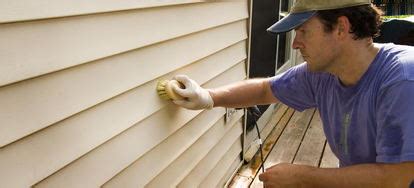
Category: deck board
[247,172]
[297,138]
[286,147]
[329,159]
[311,149]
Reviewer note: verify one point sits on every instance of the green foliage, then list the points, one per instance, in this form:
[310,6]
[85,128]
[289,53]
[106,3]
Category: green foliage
[397,16]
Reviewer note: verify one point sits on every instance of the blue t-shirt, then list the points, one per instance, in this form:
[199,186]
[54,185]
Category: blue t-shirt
[370,122]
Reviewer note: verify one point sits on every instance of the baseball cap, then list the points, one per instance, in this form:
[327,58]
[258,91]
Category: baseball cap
[303,10]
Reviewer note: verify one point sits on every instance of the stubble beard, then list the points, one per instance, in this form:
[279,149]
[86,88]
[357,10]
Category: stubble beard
[317,67]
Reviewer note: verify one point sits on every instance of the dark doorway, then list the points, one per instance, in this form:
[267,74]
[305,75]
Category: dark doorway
[263,45]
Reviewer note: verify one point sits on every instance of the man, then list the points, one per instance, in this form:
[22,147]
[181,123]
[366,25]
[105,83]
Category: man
[364,92]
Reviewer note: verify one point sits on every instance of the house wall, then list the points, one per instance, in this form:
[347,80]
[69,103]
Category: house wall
[78,105]
[283,59]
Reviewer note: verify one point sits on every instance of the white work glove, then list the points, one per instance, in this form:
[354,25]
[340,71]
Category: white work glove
[195,97]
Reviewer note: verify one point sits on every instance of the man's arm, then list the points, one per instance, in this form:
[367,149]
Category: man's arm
[243,94]
[240,94]
[365,176]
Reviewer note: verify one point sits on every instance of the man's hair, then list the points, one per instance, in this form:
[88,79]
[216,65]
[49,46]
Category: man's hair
[365,20]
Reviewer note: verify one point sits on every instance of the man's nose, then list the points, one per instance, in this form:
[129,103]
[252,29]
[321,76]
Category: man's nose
[297,44]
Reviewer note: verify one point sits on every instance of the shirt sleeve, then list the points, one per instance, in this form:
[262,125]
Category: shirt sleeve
[294,89]
[395,118]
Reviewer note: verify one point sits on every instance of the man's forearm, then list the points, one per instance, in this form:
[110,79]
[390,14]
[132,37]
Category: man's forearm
[243,94]
[365,175]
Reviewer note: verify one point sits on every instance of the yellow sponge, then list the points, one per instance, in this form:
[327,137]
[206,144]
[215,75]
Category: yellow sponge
[165,91]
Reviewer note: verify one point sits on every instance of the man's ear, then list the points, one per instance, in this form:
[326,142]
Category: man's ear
[343,26]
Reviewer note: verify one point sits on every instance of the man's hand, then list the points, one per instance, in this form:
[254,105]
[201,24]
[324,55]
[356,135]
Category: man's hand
[285,175]
[398,175]
[195,96]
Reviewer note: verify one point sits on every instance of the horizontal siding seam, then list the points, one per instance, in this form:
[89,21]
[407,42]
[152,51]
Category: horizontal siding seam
[192,142]
[19,19]
[233,125]
[127,91]
[114,53]
[206,82]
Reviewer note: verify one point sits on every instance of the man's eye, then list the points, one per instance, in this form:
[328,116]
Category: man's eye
[300,31]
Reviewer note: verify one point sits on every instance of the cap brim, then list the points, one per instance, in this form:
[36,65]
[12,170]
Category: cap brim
[291,21]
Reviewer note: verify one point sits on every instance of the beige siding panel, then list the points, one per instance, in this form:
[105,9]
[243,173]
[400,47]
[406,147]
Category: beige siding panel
[237,163]
[220,169]
[199,172]
[172,175]
[144,169]
[56,96]
[36,157]
[23,10]
[75,40]
[131,177]
[137,176]
[150,164]
[83,172]
[101,164]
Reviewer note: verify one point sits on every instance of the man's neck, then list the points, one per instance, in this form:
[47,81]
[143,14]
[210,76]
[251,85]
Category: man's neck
[354,61]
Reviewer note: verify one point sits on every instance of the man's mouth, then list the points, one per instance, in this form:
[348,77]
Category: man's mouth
[303,54]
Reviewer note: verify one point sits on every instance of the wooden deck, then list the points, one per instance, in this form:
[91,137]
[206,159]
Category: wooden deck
[297,138]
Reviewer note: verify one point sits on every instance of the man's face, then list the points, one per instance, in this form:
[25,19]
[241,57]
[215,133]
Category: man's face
[317,47]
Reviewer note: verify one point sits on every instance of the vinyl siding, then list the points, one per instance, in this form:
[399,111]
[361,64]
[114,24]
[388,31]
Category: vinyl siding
[77,90]
[24,10]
